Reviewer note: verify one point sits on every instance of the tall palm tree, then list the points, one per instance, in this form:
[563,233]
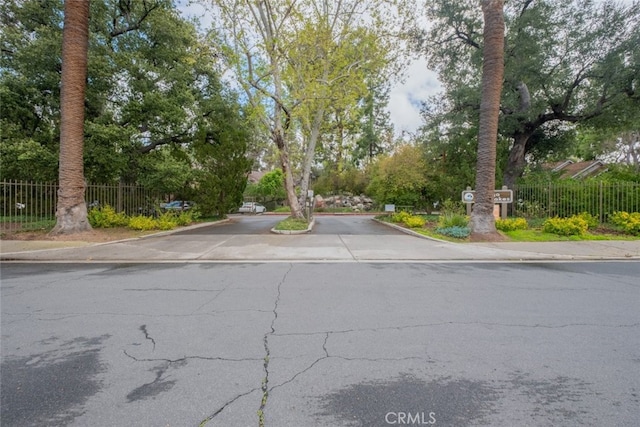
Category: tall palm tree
[71,212]
[482,220]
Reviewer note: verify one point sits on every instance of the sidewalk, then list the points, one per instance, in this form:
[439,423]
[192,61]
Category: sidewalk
[165,247]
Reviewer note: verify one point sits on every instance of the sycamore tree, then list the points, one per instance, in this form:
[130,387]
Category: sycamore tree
[331,67]
[294,60]
[566,62]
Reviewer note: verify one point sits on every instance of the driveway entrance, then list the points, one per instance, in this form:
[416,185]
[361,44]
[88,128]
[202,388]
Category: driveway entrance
[362,225]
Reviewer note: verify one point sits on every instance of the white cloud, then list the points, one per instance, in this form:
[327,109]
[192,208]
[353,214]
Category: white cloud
[406,98]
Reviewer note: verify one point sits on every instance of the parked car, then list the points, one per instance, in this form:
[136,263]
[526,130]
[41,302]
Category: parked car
[251,207]
[177,205]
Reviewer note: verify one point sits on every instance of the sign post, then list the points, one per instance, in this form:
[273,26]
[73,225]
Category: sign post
[503,197]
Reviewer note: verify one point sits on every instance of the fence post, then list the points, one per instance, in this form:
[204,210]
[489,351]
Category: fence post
[549,200]
[601,203]
[120,207]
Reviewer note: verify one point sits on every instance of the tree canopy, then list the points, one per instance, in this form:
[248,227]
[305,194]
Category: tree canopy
[565,63]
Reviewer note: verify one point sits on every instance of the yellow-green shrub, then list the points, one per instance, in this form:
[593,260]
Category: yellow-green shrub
[400,216]
[106,217]
[185,218]
[510,224]
[565,226]
[414,221]
[141,222]
[167,221]
[629,222]
[592,221]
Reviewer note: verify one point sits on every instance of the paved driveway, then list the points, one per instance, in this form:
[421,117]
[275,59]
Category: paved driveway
[324,225]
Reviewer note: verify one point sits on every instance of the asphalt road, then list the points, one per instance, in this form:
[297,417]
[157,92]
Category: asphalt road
[343,344]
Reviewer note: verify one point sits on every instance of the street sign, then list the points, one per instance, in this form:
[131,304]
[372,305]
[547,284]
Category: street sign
[500,196]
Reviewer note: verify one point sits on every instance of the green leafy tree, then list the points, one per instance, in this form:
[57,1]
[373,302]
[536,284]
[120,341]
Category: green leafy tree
[294,60]
[400,178]
[220,161]
[565,63]
[153,83]
[271,186]
[167,172]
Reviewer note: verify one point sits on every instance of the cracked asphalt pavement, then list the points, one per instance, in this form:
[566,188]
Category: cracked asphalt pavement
[321,344]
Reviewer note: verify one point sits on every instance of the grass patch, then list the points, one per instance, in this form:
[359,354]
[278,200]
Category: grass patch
[536,235]
[292,224]
[282,209]
[429,232]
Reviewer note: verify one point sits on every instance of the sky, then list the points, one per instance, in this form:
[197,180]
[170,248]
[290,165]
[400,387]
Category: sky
[405,97]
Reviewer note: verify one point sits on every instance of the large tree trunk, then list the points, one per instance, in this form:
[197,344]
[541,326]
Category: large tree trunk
[71,212]
[482,220]
[285,163]
[310,154]
[516,161]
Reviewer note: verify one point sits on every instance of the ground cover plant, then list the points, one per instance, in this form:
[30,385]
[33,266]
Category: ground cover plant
[107,217]
[292,224]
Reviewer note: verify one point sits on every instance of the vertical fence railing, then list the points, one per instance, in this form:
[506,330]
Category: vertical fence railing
[599,198]
[28,206]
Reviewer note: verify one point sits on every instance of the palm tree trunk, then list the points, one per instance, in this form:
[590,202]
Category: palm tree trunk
[482,220]
[71,212]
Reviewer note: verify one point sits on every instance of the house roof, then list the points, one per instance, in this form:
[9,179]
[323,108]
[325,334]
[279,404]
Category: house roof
[577,170]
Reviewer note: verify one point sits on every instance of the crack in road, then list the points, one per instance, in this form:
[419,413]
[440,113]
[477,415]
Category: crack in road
[223,407]
[143,328]
[265,381]
[186,358]
[329,356]
[427,325]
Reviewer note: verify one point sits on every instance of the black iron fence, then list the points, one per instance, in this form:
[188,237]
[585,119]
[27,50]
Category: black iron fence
[32,205]
[564,199]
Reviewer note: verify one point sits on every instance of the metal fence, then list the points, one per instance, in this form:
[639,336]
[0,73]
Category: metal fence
[600,199]
[32,205]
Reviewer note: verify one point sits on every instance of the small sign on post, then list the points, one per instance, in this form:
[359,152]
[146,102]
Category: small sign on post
[503,197]
[389,208]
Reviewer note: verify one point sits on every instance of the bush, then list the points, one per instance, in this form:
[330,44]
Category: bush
[457,232]
[186,217]
[450,207]
[166,221]
[141,222]
[400,217]
[106,217]
[629,222]
[592,221]
[510,224]
[414,221]
[565,226]
[448,220]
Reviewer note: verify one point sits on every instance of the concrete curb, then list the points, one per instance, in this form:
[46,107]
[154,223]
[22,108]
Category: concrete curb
[411,232]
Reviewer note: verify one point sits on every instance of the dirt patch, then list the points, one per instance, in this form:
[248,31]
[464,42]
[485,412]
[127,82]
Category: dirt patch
[491,237]
[95,236]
